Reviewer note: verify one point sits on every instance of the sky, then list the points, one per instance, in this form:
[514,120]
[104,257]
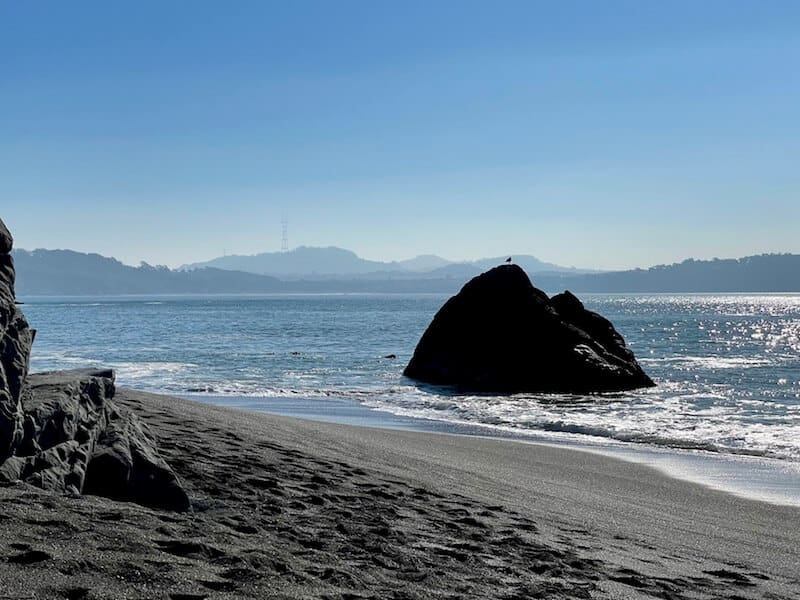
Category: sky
[606,135]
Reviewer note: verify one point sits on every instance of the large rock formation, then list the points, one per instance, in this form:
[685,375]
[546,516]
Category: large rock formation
[15,347]
[62,431]
[79,441]
[501,334]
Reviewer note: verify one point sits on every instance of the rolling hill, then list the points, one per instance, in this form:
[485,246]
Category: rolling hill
[65,272]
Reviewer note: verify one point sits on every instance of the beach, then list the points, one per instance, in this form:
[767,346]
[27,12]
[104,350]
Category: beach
[291,508]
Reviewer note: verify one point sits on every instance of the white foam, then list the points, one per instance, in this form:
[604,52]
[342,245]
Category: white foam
[709,362]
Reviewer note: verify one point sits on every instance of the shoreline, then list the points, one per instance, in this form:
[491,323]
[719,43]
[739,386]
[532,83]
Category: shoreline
[294,508]
[752,477]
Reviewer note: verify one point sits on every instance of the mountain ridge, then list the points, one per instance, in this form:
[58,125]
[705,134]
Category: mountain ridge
[333,261]
[66,272]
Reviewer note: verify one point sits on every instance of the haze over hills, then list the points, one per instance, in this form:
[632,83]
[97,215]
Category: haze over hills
[64,272]
[309,262]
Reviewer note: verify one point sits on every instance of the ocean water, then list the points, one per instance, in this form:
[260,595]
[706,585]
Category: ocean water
[727,366]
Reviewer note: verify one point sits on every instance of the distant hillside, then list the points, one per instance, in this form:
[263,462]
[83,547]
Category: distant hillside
[423,262]
[337,263]
[64,272]
[529,263]
[68,273]
[763,273]
[465,271]
[300,261]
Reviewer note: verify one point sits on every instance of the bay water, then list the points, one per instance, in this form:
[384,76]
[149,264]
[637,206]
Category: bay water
[727,367]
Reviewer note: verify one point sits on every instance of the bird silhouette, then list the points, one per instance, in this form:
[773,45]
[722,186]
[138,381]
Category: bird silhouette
[508,260]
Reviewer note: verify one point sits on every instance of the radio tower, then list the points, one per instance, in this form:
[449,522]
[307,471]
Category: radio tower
[285,237]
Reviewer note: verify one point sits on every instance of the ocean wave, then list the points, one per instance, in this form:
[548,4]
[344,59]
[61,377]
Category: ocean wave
[691,420]
[256,390]
[61,360]
[136,373]
[708,362]
[654,440]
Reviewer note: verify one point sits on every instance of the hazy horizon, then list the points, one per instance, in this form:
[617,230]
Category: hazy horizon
[601,136]
[470,260]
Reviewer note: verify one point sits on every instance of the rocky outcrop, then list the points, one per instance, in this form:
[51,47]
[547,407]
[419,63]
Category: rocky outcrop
[501,334]
[79,441]
[62,431]
[15,347]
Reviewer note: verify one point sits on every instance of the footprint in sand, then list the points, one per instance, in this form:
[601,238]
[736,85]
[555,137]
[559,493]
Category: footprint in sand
[29,557]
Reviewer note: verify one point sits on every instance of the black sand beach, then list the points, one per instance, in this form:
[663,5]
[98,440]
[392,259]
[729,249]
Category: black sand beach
[286,508]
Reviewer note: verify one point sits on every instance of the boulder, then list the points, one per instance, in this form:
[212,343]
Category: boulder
[77,440]
[126,465]
[500,334]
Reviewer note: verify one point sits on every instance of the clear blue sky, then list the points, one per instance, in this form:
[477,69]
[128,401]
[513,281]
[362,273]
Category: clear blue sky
[597,134]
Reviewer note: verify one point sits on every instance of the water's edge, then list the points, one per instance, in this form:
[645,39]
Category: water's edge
[768,480]
[727,369]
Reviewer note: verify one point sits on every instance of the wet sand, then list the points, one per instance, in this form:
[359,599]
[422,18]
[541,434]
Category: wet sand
[754,477]
[287,508]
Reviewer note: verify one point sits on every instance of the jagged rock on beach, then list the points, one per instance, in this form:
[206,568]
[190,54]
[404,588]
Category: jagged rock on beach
[501,334]
[78,441]
[16,339]
[62,431]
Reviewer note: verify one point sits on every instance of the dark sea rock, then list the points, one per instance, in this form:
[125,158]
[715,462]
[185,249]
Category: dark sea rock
[501,334]
[78,441]
[62,431]
[6,241]
[16,339]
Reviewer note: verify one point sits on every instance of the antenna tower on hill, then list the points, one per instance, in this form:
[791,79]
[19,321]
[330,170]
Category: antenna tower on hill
[285,236]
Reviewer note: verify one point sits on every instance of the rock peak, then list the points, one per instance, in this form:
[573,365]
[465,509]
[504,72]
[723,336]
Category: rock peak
[6,241]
